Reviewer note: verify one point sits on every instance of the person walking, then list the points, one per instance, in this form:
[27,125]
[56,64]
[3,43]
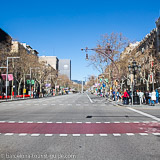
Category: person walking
[149,98]
[114,95]
[157,97]
[117,96]
[153,97]
[126,97]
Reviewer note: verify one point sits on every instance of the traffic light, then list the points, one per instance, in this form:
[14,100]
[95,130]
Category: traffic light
[86,56]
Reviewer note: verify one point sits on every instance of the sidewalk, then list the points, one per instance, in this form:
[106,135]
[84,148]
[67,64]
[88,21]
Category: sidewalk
[157,106]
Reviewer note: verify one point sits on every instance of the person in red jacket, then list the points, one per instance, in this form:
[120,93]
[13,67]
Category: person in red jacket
[125,97]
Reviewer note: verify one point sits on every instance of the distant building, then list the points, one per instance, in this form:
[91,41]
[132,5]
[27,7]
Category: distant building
[65,67]
[51,60]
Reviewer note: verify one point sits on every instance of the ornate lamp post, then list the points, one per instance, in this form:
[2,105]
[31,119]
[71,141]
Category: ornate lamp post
[133,69]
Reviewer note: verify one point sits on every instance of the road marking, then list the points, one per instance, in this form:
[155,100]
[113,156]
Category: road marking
[53,104]
[89,98]
[21,122]
[61,104]
[35,135]
[8,134]
[48,122]
[39,122]
[135,122]
[103,135]
[88,122]
[76,135]
[98,122]
[89,135]
[2,121]
[78,122]
[127,122]
[156,134]
[58,122]
[116,122]
[48,135]
[145,114]
[68,122]
[30,122]
[63,135]
[130,134]
[116,134]
[11,121]
[22,134]
[107,122]
[143,134]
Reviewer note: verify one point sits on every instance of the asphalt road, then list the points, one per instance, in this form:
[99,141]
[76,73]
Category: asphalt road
[78,126]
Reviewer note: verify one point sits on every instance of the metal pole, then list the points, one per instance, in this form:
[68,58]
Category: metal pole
[132,93]
[6,79]
[82,86]
[152,80]
[30,81]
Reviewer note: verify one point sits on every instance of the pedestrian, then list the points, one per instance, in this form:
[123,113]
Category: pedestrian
[117,96]
[153,97]
[146,97]
[129,98]
[126,97]
[114,95]
[149,98]
[157,97]
[141,95]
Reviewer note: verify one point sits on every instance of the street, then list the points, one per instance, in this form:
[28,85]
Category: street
[78,126]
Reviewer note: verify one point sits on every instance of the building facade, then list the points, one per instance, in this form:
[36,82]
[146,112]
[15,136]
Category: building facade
[65,67]
[51,60]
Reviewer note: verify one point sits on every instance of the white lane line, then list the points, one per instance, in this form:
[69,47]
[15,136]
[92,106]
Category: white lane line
[144,114]
[35,135]
[21,122]
[63,135]
[116,122]
[127,122]
[116,134]
[30,122]
[143,134]
[58,122]
[11,121]
[39,122]
[130,134]
[89,98]
[48,122]
[156,134]
[98,122]
[89,135]
[107,122]
[68,122]
[88,122]
[78,122]
[103,135]
[135,122]
[145,121]
[76,135]
[22,134]
[48,135]
[2,121]
[9,134]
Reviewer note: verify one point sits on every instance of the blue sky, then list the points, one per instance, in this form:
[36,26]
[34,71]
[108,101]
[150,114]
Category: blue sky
[62,27]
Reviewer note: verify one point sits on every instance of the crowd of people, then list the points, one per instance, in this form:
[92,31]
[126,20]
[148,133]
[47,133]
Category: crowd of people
[150,98]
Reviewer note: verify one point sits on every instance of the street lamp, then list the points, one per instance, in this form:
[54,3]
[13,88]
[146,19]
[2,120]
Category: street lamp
[133,69]
[7,73]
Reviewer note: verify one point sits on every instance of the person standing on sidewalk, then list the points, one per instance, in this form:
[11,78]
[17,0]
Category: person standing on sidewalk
[157,97]
[153,97]
[146,97]
[117,96]
[149,98]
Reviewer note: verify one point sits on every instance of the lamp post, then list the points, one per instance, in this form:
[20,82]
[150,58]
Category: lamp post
[133,69]
[7,73]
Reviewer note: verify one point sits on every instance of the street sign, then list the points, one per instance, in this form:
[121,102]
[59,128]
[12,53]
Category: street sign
[24,90]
